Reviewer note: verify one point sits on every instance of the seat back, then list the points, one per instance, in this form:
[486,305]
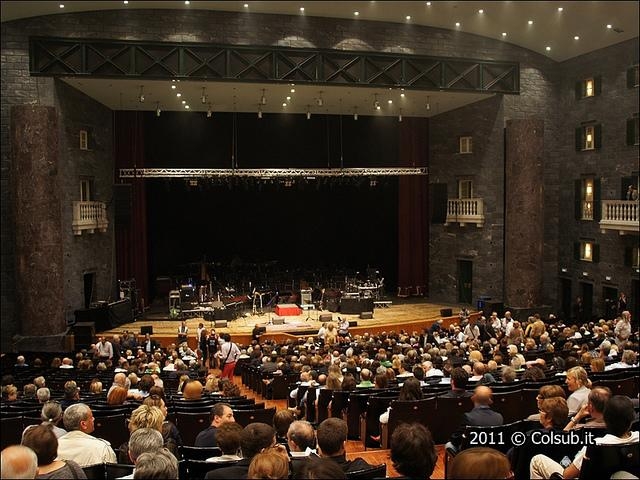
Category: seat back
[112,428]
[324,397]
[190,425]
[339,401]
[199,453]
[311,405]
[245,417]
[95,472]
[356,407]
[509,405]
[496,437]
[200,468]
[376,406]
[421,411]
[561,447]
[378,471]
[448,417]
[602,461]
[117,470]
[279,387]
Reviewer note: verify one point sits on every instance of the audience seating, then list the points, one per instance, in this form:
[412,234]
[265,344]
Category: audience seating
[324,398]
[11,428]
[199,468]
[199,453]
[521,455]
[370,420]
[190,425]
[422,411]
[112,428]
[378,471]
[95,472]
[245,417]
[339,401]
[116,470]
[356,406]
[448,417]
[509,404]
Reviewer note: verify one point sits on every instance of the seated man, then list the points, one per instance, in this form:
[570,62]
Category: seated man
[332,434]
[157,464]
[618,416]
[593,409]
[301,439]
[142,441]
[480,416]
[220,413]
[459,380]
[18,462]
[413,451]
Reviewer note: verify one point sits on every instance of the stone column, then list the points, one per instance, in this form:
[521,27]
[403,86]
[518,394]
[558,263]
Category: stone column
[524,213]
[38,221]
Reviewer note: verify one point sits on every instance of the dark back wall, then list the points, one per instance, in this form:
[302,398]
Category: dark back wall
[335,224]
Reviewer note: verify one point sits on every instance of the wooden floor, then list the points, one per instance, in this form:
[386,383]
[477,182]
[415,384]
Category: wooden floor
[354,448]
[410,314]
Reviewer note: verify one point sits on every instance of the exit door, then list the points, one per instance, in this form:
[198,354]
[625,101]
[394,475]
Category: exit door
[465,286]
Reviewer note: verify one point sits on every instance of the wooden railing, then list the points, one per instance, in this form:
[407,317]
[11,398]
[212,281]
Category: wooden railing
[465,210]
[621,215]
[89,217]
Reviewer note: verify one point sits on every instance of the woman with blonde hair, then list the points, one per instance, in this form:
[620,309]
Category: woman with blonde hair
[145,416]
[579,385]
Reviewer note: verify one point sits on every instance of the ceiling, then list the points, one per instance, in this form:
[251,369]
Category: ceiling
[550,28]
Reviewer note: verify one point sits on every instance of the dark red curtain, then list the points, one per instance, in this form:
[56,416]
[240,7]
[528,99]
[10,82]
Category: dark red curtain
[131,234]
[413,205]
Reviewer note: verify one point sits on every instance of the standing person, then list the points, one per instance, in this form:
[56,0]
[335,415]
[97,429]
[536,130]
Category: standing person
[578,311]
[104,349]
[213,341]
[203,343]
[623,329]
[622,303]
[183,331]
[228,355]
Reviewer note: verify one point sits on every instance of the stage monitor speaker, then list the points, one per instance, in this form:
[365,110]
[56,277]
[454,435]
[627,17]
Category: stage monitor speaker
[224,314]
[446,312]
[84,333]
[438,202]
[145,330]
[120,312]
[99,315]
[366,315]
[355,306]
[122,203]
[332,305]
[278,320]
[353,323]
[325,317]
[220,324]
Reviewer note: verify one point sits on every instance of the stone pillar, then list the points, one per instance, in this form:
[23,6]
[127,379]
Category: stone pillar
[524,212]
[38,220]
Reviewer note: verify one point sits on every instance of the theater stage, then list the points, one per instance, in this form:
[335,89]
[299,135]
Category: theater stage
[408,314]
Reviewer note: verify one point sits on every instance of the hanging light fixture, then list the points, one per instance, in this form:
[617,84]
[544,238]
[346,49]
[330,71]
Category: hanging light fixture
[376,103]
[319,100]
[355,113]
[259,111]
[158,109]
[263,98]
[428,103]
[308,112]
[209,111]
[203,99]
[141,95]
[400,116]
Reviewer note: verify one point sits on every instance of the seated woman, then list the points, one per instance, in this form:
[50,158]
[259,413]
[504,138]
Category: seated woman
[579,385]
[51,415]
[146,416]
[43,441]
[410,391]
[546,391]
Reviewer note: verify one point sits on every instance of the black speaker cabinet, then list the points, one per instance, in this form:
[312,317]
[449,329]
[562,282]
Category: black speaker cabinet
[332,305]
[366,315]
[224,314]
[145,330]
[120,312]
[353,323]
[355,306]
[84,333]
[446,312]
[220,324]
[326,317]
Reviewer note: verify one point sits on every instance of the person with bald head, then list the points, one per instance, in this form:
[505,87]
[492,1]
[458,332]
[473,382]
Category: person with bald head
[480,415]
[18,461]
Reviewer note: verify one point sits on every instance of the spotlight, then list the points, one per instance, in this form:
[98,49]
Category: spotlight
[158,109]
[141,95]
[209,112]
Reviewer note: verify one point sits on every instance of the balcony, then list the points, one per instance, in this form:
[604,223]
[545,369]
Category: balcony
[465,210]
[621,215]
[89,217]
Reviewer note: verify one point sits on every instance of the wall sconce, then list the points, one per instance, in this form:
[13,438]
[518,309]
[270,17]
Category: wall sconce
[563,270]
[158,109]
[141,95]
[209,111]
[355,113]
[308,112]
[376,103]
[607,278]
[263,98]
[203,98]
[319,100]
[585,274]
[428,106]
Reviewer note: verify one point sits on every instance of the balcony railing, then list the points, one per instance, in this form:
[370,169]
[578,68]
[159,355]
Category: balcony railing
[621,215]
[465,210]
[89,217]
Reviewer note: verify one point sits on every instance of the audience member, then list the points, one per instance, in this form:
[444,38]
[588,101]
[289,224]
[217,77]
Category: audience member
[44,443]
[271,464]
[321,469]
[413,451]
[220,413]
[143,440]
[332,435]
[593,409]
[578,385]
[18,462]
[228,440]
[51,414]
[481,463]
[159,464]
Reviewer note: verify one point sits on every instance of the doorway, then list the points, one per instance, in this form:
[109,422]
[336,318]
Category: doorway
[465,286]
[610,300]
[586,290]
[89,280]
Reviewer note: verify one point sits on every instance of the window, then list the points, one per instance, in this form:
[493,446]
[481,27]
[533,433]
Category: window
[465,188]
[632,257]
[633,131]
[587,197]
[466,144]
[587,251]
[84,140]
[589,87]
[633,77]
[85,190]
[588,137]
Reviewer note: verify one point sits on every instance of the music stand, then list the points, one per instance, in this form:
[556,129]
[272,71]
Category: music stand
[308,307]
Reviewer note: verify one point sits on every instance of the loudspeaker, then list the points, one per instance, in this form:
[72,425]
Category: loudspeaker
[98,315]
[438,202]
[84,333]
[497,307]
[220,324]
[366,315]
[356,306]
[224,314]
[120,312]
[145,330]
[332,305]
[122,203]
[325,317]
[353,323]
[446,312]
[278,320]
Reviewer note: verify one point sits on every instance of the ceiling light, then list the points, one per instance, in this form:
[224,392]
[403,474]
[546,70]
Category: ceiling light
[402,94]
[158,109]
[457,24]
[389,101]
[184,102]
[302,9]
[376,103]
[548,49]
[609,26]
[203,98]
[284,104]
[400,116]
[293,90]
[308,113]
[530,22]
[288,98]
[504,34]
[246,5]
[560,9]
[428,106]
[173,87]
[428,4]
[319,101]
[61,5]
[141,95]
[259,112]
[576,37]
[481,11]
[187,107]
[356,13]
[126,2]
[263,98]
[209,111]
[408,17]
[178,94]
[355,113]
[186,2]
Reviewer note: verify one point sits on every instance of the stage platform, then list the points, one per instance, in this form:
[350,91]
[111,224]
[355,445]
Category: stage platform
[408,314]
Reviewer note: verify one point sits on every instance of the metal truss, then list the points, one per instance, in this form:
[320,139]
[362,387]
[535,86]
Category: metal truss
[268,173]
[71,57]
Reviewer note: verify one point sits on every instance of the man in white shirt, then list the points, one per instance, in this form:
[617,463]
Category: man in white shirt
[104,349]
[78,444]
[507,323]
